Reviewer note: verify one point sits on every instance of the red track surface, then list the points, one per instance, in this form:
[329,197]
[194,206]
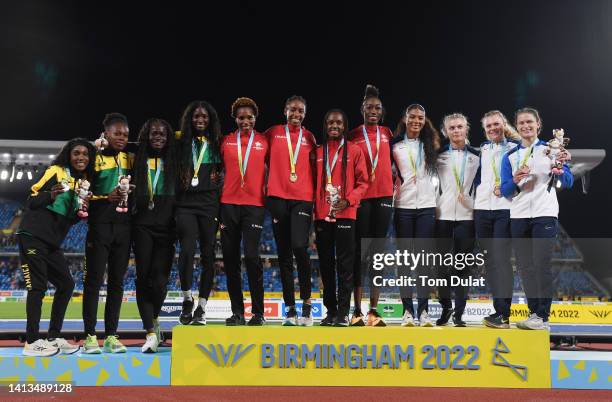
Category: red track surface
[318,394]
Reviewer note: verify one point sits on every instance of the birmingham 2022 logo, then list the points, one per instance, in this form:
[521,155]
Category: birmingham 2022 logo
[225,356]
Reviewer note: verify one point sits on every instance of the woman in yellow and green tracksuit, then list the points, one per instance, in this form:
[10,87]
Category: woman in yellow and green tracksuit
[50,212]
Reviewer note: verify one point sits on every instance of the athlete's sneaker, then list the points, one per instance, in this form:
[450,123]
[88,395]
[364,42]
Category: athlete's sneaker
[444,317]
[425,320]
[291,319]
[186,317]
[151,343]
[532,322]
[496,321]
[40,348]
[374,319]
[91,346]
[157,330]
[112,345]
[328,321]
[257,321]
[357,319]
[235,320]
[458,322]
[341,321]
[199,316]
[306,319]
[64,346]
[407,320]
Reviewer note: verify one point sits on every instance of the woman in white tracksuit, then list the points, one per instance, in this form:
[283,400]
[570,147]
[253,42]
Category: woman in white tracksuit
[527,178]
[492,215]
[457,166]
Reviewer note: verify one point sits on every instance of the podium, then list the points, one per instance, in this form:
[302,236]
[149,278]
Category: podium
[364,356]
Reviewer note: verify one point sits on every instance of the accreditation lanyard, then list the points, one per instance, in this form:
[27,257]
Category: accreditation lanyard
[373,161]
[414,164]
[523,162]
[459,175]
[333,165]
[496,162]
[153,182]
[197,160]
[242,166]
[293,158]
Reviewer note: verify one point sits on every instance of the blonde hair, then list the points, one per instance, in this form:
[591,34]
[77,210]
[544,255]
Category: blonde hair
[509,130]
[452,116]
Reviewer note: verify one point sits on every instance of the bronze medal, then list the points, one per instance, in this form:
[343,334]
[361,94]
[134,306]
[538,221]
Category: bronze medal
[293,177]
[497,191]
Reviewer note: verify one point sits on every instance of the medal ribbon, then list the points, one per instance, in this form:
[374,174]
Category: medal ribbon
[333,165]
[243,166]
[459,176]
[197,161]
[524,160]
[293,157]
[367,140]
[413,164]
[153,184]
[496,164]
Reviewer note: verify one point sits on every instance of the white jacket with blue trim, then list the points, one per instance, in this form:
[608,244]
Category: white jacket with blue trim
[534,197]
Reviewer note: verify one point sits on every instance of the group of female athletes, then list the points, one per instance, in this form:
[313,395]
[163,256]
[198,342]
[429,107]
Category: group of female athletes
[191,183]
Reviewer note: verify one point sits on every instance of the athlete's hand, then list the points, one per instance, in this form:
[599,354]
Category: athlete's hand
[56,190]
[520,174]
[340,205]
[114,196]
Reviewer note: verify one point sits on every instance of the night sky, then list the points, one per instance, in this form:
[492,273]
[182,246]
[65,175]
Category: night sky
[65,65]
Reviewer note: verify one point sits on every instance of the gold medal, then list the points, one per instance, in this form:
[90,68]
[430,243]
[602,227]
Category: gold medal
[497,191]
[293,177]
[373,177]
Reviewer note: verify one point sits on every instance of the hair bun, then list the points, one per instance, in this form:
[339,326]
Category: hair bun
[371,92]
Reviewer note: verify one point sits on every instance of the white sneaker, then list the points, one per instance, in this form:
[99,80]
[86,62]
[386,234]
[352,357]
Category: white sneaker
[424,320]
[64,346]
[157,330]
[533,322]
[150,345]
[40,348]
[305,321]
[407,320]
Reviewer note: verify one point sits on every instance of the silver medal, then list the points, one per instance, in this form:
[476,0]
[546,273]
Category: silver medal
[195,182]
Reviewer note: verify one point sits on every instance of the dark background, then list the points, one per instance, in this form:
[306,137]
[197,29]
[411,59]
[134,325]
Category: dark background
[64,65]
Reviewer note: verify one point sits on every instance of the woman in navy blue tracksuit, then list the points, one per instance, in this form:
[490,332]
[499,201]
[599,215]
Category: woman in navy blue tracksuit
[527,179]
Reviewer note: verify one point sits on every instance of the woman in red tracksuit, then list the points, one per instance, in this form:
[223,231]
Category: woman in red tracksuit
[376,207]
[342,179]
[290,196]
[244,154]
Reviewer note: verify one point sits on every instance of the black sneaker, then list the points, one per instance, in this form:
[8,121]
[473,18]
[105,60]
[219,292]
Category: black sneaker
[328,321]
[256,321]
[497,321]
[186,316]
[444,317]
[341,321]
[234,320]
[458,322]
[199,316]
